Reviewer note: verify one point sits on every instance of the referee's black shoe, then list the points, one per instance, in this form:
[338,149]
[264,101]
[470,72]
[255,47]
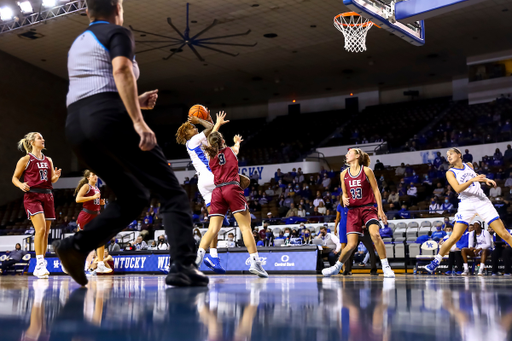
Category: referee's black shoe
[374,272]
[186,276]
[71,259]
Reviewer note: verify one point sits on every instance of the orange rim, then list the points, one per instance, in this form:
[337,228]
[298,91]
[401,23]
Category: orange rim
[354,14]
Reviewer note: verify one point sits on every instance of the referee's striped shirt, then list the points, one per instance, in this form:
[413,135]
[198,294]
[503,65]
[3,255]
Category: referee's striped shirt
[90,59]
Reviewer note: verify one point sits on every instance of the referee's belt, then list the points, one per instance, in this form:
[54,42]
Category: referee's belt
[227,184]
[90,212]
[40,190]
[367,205]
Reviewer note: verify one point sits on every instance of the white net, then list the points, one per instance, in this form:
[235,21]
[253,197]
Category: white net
[354,28]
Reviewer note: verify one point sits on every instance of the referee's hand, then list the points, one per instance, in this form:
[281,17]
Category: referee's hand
[147,136]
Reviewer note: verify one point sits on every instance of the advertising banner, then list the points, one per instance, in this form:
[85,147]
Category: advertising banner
[280,260]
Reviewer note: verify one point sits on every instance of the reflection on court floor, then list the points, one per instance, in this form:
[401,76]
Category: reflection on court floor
[249,308]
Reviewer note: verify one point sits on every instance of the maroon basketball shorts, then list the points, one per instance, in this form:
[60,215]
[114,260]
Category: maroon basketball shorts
[359,217]
[36,203]
[84,218]
[227,197]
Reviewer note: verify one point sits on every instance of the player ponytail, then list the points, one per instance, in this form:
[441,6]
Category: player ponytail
[215,141]
[364,158]
[83,181]
[26,142]
[181,134]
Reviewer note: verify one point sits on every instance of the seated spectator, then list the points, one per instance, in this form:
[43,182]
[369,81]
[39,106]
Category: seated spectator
[292,212]
[140,244]
[306,237]
[479,245]
[447,223]
[301,212]
[394,198]
[197,236]
[289,190]
[502,250]
[263,232]
[408,170]
[231,240]
[14,257]
[467,157]
[263,201]
[495,192]
[187,181]
[153,246]
[148,219]
[269,192]
[72,226]
[288,201]
[360,254]
[404,212]
[426,180]
[500,175]
[378,166]
[326,182]
[321,208]
[293,173]
[331,245]
[287,235]
[497,154]
[434,207]
[162,244]
[392,213]
[254,206]
[113,246]
[402,189]
[438,234]
[439,191]
[412,190]
[194,180]
[400,171]
[318,199]
[281,235]
[447,206]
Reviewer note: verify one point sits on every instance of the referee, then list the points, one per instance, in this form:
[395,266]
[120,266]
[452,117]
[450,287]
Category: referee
[107,132]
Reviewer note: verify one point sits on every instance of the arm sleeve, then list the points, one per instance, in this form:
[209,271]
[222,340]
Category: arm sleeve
[471,238]
[121,44]
[197,141]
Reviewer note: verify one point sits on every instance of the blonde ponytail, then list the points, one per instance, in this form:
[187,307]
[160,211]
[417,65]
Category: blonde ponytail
[215,140]
[83,181]
[364,158]
[26,142]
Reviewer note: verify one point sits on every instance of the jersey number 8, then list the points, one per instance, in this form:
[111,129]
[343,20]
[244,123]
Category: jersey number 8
[357,193]
[222,159]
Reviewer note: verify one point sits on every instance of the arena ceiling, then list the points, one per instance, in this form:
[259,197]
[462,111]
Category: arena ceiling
[306,57]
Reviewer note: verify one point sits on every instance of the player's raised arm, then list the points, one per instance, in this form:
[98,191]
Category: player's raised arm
[236,147]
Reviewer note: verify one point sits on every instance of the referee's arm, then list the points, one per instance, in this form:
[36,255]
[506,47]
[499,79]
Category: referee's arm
[127,87]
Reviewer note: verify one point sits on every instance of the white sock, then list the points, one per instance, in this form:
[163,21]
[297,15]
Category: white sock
[213,252]
[338,264]
[201,251]
[254,257]
[40,259]
[384,263]
[482,268]
[465,265]
[38,297]
[101,264]
[439,258]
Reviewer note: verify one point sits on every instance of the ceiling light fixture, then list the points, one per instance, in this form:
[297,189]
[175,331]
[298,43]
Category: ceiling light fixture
[6,13]
[191,42]
[26,7]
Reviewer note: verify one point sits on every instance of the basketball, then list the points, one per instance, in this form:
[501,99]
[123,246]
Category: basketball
[199,111]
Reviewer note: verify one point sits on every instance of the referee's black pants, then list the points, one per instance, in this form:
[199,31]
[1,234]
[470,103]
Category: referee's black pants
[101,134]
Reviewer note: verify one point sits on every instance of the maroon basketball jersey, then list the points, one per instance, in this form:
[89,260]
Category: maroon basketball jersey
[224,166]
[359,190]
[92,205]
[38,172]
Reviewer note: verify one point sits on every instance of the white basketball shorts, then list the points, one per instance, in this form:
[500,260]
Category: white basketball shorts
[482,206]
[206,186]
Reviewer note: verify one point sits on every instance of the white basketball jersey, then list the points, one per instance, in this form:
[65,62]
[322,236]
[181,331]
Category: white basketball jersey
[463,175]
[197,154]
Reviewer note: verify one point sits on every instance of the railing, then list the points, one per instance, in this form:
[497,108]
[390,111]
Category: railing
[27,243]
[130,236]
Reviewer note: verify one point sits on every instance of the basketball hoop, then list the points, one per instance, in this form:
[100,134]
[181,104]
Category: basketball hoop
[354,28]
